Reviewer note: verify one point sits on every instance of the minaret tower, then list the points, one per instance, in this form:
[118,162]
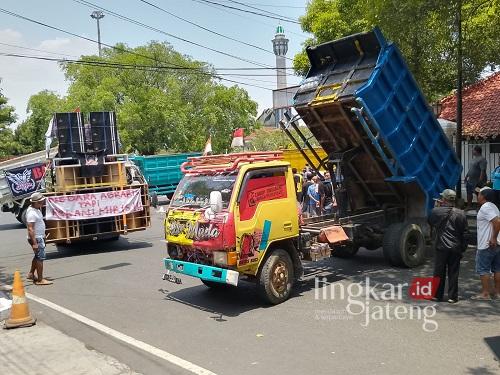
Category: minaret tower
[280,48]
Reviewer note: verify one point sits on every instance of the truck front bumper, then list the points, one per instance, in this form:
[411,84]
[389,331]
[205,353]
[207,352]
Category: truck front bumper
[201,271]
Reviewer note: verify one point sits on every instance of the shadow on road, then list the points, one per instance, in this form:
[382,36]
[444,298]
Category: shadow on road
[231,302]
[95,247]
[10,226]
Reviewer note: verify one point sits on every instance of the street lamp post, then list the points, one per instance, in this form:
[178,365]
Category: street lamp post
[97,15]
[459,93]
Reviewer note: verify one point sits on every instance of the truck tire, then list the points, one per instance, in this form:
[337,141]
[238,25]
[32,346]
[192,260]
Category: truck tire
[276,277]
[21,216]
[404,245]
[346,251]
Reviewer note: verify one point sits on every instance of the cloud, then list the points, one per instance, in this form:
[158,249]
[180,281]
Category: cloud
[22,77]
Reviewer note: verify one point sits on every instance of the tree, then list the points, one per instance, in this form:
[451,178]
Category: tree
[30,134]
[424,30]
[8,146]
[157,108]
[275,139]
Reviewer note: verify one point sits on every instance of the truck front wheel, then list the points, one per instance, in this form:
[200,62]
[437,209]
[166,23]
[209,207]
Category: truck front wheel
[404,245]
[276,277]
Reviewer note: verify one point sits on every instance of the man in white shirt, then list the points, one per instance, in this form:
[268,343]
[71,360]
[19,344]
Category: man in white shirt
[488,249]
[36,238]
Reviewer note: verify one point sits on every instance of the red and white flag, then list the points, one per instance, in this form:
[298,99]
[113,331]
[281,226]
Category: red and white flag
[238,138]
[208,147]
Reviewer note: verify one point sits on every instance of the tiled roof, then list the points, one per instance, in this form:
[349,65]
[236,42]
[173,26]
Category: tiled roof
[481,108]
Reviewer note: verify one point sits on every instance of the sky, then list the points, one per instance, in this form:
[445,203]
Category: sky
[22,78]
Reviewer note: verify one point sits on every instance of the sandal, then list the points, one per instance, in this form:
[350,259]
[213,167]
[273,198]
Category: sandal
[479,297]
[43,282]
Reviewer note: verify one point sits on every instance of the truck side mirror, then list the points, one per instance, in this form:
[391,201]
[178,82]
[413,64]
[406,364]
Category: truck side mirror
[215,201]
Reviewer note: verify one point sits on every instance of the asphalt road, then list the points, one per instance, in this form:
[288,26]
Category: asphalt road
[119,284]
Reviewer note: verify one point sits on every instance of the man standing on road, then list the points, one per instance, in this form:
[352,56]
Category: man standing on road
[450,224]
[488,250]
[36,238]
[305,195]
[315,198]
[476,176]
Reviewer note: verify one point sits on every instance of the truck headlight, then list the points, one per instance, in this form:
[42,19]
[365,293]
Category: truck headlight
[220,257]
[224,258]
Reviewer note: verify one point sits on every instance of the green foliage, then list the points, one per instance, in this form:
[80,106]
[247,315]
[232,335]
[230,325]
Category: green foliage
[30,134]
[424,30]
[7,144]
[266,139]
[174,110]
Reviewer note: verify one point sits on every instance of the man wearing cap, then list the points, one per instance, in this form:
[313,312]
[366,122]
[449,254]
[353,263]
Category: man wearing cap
[36,238]
[450,225]
[488,240]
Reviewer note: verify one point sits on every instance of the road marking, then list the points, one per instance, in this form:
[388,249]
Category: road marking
[186,365]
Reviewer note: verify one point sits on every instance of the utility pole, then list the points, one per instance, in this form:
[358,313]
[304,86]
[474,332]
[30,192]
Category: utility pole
[97,15]
[459,93]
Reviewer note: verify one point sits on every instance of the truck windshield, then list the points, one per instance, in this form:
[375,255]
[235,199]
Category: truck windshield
[195,191]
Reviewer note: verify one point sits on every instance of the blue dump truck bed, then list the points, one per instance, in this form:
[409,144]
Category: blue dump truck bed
[162,172]
[363,105]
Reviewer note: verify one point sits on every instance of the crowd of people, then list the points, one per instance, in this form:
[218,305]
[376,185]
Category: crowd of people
[315,196]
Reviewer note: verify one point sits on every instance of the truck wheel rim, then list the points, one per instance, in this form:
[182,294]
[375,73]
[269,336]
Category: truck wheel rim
[280,277]
[411,245]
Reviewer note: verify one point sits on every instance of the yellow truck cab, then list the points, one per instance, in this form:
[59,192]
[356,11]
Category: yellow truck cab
[235,216]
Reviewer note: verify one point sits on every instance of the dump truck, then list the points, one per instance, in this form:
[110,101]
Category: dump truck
[236,217]
[92,191]
[19,178]
[162,172]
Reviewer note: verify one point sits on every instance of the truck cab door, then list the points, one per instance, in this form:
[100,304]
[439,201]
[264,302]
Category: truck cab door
[266,211]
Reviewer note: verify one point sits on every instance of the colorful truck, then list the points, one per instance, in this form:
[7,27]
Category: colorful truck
[236,216]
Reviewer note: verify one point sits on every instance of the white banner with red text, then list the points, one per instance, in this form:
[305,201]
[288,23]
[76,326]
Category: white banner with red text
[93,205]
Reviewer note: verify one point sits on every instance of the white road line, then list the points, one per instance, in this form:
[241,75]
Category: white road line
[186,365]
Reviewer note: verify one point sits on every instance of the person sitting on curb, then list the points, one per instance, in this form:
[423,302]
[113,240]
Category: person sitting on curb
[450,224]
[36,238]
[488,240]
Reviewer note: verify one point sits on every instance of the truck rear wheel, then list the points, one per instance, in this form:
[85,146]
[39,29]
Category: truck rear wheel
[276,277]
[404,245]
[346,251]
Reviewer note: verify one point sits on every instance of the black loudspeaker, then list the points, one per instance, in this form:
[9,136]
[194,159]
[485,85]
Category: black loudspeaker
[104,133]
[70,134]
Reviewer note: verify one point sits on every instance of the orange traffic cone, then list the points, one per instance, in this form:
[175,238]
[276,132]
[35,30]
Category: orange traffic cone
[20,313]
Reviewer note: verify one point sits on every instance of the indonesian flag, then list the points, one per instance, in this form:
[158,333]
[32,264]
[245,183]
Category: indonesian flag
[238,138]
[77,110]
[208,147]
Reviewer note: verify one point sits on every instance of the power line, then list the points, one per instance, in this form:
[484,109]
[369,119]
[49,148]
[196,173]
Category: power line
[205,28]
[114,47]
[276,5]
[119,49]
[37,50]
[251,12]
[248,18]
[122,17]
[103,64]
[262,10]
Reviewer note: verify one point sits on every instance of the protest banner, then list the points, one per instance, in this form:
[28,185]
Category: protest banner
[93,205]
